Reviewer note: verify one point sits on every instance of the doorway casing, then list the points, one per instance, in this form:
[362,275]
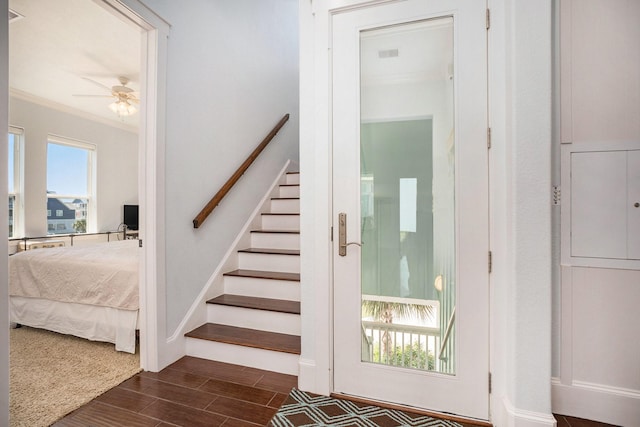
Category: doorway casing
[151,162]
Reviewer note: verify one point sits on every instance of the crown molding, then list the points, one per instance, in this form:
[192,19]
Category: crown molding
[24,96]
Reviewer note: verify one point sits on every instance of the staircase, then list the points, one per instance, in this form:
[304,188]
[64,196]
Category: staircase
[256,321]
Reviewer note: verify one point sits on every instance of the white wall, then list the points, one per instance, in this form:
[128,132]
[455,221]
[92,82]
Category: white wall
[117,162]
[596,355]
[4,232]
[232,74]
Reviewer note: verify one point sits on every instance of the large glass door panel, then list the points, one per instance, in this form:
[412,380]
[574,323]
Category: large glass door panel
[411,205]
[410,238]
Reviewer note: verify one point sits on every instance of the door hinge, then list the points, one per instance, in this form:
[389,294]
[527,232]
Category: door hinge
[488,137]
[490,261]
[140,243]
[488,19]
[331,233]
[489,382]
[556,195]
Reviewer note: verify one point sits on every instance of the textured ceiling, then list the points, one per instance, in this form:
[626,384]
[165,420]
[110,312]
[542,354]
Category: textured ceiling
[59,44]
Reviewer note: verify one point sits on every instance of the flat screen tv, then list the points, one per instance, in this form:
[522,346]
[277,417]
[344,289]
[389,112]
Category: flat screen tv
[131,217]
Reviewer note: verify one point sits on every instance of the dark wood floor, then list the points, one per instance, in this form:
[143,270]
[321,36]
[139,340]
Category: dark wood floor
[190,392]
[195,392]
[566,421]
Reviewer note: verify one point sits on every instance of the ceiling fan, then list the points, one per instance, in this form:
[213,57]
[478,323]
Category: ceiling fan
[124,96]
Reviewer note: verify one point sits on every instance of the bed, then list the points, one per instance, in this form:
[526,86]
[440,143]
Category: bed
[87,291]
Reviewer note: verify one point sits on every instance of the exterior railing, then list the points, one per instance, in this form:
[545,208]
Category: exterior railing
[402,345]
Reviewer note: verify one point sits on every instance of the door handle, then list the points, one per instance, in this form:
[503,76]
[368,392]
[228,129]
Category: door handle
[342,235]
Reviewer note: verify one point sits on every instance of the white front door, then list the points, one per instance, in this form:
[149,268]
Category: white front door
[410,204]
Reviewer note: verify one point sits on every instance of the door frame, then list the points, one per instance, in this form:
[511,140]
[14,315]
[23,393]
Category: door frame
[151,164]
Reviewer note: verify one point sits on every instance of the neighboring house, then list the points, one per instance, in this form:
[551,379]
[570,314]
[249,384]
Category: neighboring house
[60,218]
[233,67]
[80,208]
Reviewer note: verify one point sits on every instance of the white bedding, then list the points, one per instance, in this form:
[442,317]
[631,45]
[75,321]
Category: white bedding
[88,291]
[105,274]
[85,321]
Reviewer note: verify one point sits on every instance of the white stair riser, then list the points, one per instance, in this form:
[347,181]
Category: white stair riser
[289,191]
[269,262]
[292,178]
[262,320]
[275,240]
[258,358]
[281,222]
[285,206]
[262,288]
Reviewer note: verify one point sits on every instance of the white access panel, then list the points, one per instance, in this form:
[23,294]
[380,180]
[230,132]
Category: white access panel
[633,204]
[599,204]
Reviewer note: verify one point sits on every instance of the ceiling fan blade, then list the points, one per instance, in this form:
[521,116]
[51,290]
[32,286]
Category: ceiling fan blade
[97,83]
[94,96]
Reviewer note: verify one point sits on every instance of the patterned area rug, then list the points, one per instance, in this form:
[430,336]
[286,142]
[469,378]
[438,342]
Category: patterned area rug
[305,409]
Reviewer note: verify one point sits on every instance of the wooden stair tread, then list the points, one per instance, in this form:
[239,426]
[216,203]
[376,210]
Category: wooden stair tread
[289,185]
[247,337]
[281,213]
[285,198]
[273,275]
[271,251]
[268,304]
[277,231]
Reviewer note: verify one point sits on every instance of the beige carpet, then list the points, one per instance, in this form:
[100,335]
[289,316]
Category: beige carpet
[53,374]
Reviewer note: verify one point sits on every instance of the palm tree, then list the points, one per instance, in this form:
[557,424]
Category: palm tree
[384,311]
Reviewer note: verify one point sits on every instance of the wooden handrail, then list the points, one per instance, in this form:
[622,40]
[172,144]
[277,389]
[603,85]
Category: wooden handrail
[206,211]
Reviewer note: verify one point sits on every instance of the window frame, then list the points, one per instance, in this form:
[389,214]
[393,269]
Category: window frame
[18,181]
[90,197]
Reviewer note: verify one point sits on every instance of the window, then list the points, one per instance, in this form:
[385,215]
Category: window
[15,148]
[70,186]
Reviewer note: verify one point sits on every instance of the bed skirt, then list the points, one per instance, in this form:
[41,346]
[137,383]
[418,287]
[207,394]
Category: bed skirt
[91,322]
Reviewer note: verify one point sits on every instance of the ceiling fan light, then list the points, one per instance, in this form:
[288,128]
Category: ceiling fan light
[131,109]
[114,107]
[122,108]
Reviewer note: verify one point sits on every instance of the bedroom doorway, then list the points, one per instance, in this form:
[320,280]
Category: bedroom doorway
[150,35]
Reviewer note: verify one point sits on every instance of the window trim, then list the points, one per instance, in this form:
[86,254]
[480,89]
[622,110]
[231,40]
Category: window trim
[18,181]
[90,197]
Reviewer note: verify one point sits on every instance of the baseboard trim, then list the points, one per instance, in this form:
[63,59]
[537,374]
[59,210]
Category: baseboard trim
[307,375]
[516,417]
[597,402]
[312,378]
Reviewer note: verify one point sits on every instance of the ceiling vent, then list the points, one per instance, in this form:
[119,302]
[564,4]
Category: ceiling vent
[14,16]
[389,53]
